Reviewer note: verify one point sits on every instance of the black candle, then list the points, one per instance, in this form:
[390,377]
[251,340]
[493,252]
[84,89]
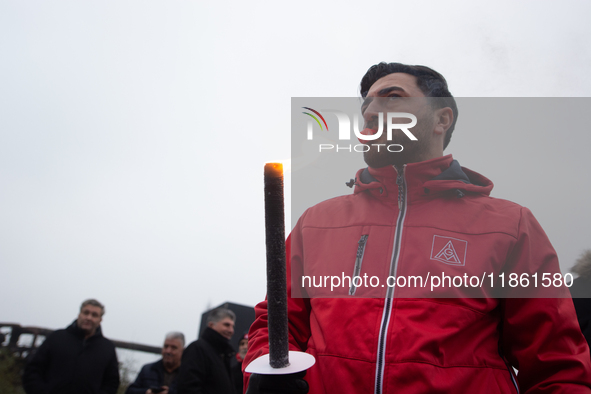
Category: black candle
[276,274]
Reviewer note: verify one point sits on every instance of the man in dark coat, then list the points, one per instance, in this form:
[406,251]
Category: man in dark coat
[205,366]
[161,376]
[581,293]
[76,360]
[237,375]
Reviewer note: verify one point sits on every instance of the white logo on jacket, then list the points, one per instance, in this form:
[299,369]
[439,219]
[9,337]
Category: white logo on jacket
[449,250]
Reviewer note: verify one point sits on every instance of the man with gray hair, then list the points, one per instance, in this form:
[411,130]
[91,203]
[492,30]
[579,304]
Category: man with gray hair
[205,366]
[161,376]
[78,359]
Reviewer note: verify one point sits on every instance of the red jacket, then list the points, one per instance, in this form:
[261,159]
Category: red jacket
[438,220]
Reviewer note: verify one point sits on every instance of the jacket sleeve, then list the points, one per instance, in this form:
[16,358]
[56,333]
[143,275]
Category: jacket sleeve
[541,337]
[139,386]
[298,311]
[193,373]
[33,381]
[110,383]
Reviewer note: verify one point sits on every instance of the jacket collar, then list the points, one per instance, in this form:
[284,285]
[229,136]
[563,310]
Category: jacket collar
[219,342]
[158,366]
[442,174]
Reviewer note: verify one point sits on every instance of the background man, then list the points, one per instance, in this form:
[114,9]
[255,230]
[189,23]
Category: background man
[78,359]
[581,293]
[237,376]
[161,376]
[405,206]
[205,366]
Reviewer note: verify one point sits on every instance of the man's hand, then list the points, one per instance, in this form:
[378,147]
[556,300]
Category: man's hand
[278,384]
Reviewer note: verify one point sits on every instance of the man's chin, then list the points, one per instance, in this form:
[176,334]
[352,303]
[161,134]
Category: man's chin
[87,331]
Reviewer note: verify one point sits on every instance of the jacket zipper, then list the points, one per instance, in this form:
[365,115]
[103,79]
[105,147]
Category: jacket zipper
[358,260]
[509,368]
[381,360]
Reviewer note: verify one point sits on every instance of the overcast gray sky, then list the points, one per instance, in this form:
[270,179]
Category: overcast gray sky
[133,136]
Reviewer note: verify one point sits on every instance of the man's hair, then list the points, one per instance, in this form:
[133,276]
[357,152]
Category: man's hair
[431,83]
[582,266]
[220,313]
[93,302]
[176,335]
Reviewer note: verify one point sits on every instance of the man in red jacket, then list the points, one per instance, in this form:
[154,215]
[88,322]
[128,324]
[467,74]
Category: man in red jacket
[416,213]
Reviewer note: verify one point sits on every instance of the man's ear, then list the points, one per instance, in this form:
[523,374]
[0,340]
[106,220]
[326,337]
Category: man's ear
[210,324]
[444,118]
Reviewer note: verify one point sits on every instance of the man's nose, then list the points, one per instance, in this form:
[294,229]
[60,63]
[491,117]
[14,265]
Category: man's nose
[371,114]
[374,107]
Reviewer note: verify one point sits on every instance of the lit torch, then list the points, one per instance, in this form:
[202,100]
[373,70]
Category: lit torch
[280,360]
